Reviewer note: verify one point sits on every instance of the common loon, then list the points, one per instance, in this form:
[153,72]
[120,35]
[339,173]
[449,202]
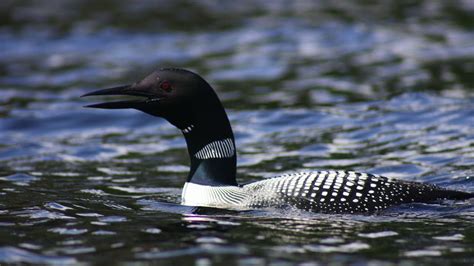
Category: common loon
[188,102]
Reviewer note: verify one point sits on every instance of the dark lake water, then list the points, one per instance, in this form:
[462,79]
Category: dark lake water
[383,87]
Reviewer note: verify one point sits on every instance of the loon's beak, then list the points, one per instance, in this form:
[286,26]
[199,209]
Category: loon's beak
[122,90]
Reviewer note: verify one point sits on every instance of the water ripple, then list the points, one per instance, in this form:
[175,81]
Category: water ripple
[16,255]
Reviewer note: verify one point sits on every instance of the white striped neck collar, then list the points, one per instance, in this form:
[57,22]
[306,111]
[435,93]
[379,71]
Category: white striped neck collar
[213,154]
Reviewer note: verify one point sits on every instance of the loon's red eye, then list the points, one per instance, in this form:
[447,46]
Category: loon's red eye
[166,86]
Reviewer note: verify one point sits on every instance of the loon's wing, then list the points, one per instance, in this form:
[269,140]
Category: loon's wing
[343,192]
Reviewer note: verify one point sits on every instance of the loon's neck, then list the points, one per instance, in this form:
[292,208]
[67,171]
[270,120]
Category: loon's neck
[211,147]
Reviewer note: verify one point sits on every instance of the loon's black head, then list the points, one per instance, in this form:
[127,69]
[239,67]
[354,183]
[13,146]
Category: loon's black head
[174,94]
[188,102]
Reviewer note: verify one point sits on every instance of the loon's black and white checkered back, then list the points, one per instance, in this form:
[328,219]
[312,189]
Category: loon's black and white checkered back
[339,192]
[321,191]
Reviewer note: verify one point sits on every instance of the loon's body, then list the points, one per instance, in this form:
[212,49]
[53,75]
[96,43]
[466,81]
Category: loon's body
[318,191]
[188,102]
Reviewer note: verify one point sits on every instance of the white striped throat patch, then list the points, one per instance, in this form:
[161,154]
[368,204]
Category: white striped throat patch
[217,149]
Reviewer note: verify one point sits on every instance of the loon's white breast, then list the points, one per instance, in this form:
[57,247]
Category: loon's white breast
[231,197]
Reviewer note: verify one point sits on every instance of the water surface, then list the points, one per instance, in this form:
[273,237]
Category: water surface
[383,88]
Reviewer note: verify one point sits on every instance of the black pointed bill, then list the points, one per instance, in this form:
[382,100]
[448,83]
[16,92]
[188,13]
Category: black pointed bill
[121,90]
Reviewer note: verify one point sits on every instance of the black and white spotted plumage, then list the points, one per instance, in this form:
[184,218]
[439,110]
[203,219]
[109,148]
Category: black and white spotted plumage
[321,191]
